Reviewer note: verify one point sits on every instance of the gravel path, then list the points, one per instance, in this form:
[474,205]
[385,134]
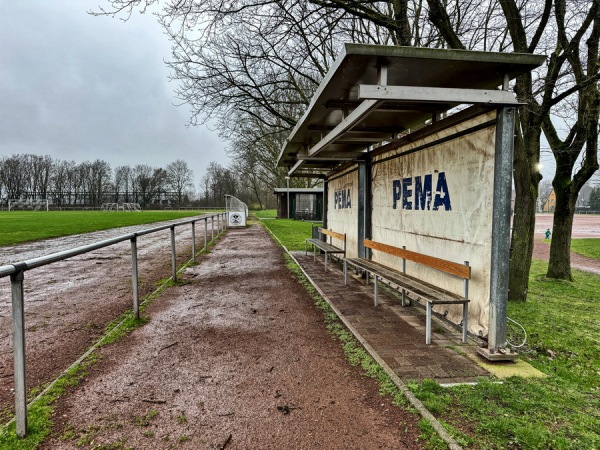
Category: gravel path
[236,357]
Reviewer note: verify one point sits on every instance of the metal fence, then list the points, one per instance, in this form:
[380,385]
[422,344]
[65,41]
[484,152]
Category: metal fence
[16,272]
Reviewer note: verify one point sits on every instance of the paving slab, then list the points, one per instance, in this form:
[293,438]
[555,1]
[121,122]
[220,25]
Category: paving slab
[396,333]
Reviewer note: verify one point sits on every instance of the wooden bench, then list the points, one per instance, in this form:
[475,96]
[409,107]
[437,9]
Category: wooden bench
[432,295]
[326,247]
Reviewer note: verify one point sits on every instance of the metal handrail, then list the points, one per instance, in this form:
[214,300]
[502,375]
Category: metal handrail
[17,270]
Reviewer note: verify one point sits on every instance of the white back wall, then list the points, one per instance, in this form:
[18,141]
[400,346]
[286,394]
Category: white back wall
[438,201]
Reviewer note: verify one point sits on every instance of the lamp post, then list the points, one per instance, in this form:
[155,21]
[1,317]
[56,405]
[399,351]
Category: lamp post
[287,182]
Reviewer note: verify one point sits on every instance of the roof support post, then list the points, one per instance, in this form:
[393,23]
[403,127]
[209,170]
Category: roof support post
[500,258]
[325,202]
[364,207]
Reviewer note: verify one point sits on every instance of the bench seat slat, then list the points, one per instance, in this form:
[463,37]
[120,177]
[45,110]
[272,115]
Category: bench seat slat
[414,285]
[325,246]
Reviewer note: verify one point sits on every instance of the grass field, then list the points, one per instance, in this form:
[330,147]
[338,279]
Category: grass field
[589,247]
[22,226]
[561,411]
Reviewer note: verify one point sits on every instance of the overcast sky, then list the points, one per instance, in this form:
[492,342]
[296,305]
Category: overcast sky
[79,87]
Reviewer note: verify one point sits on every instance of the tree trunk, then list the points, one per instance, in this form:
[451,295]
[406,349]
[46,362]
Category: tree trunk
[559,265]
[527,178]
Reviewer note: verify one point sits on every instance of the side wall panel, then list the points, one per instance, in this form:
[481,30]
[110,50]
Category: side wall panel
[438,201]
[342,209]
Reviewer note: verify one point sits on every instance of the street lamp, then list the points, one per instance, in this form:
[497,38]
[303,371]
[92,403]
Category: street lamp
[287,182]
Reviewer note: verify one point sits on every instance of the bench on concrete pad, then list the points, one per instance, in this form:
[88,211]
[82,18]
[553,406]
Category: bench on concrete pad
[432,295]
[324,246]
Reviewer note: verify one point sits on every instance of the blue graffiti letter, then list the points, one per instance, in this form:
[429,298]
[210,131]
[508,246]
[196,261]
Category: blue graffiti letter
[406,193]
[395,191]
[423,193]
[442,195]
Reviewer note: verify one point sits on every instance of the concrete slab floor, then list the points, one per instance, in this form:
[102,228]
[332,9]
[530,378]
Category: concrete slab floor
[397,334]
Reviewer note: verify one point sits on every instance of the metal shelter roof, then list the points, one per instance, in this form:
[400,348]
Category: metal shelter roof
[373,94]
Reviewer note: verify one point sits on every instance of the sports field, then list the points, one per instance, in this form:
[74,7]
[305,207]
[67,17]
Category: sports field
[24,226]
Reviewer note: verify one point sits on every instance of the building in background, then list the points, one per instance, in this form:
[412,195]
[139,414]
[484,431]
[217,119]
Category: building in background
[305,203]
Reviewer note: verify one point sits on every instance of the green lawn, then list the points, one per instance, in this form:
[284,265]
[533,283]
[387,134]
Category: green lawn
[589,247]
[23,226]
[561,411]
[558,412]
[264,214]
[291,233]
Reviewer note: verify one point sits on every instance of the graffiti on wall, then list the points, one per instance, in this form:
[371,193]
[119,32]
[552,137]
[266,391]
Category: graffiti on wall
[416,193]
[342,198]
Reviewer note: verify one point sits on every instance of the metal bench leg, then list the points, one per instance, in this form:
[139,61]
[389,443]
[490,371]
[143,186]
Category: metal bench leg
[314,253]
[326,261]
[366,278]
[345,273]
[376,289]
[465,322]
[403,297]
[428,324]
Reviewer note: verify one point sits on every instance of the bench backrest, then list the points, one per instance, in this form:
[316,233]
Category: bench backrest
[456,269]
[333,234]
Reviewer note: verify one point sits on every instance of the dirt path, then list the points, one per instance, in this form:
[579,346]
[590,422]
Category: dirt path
[68,304]
[238,358]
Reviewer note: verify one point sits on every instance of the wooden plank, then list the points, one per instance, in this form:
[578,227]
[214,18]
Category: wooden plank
[333,234]
[419,288]
[459,270]
[325,246]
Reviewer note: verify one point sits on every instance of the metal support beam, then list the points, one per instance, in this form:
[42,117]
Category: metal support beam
[18,319]
[361,204]
[173,255]
[325,202]
[194,242]
[499,265]
[135,278]
[373,92]
[346,124]
[206,234]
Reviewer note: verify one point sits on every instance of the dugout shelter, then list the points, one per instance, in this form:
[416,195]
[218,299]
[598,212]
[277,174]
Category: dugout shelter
[415,148]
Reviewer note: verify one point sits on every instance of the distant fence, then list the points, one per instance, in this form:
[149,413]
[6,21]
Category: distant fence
[17,270]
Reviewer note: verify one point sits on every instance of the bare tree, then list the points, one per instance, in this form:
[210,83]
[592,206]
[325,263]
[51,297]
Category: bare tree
[578,27]
[179,178]
[123,183]
[262,60]
[12,173]
[149,183]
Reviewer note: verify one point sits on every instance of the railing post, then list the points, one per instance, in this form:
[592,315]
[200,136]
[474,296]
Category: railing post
[218,224]
[18,319]
[212,228]
[134,278]
[173,254]
[194,242]
[206,234]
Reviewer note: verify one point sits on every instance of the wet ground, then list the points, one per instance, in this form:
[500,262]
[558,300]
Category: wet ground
[240,345]
[68,304]
[236,357]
